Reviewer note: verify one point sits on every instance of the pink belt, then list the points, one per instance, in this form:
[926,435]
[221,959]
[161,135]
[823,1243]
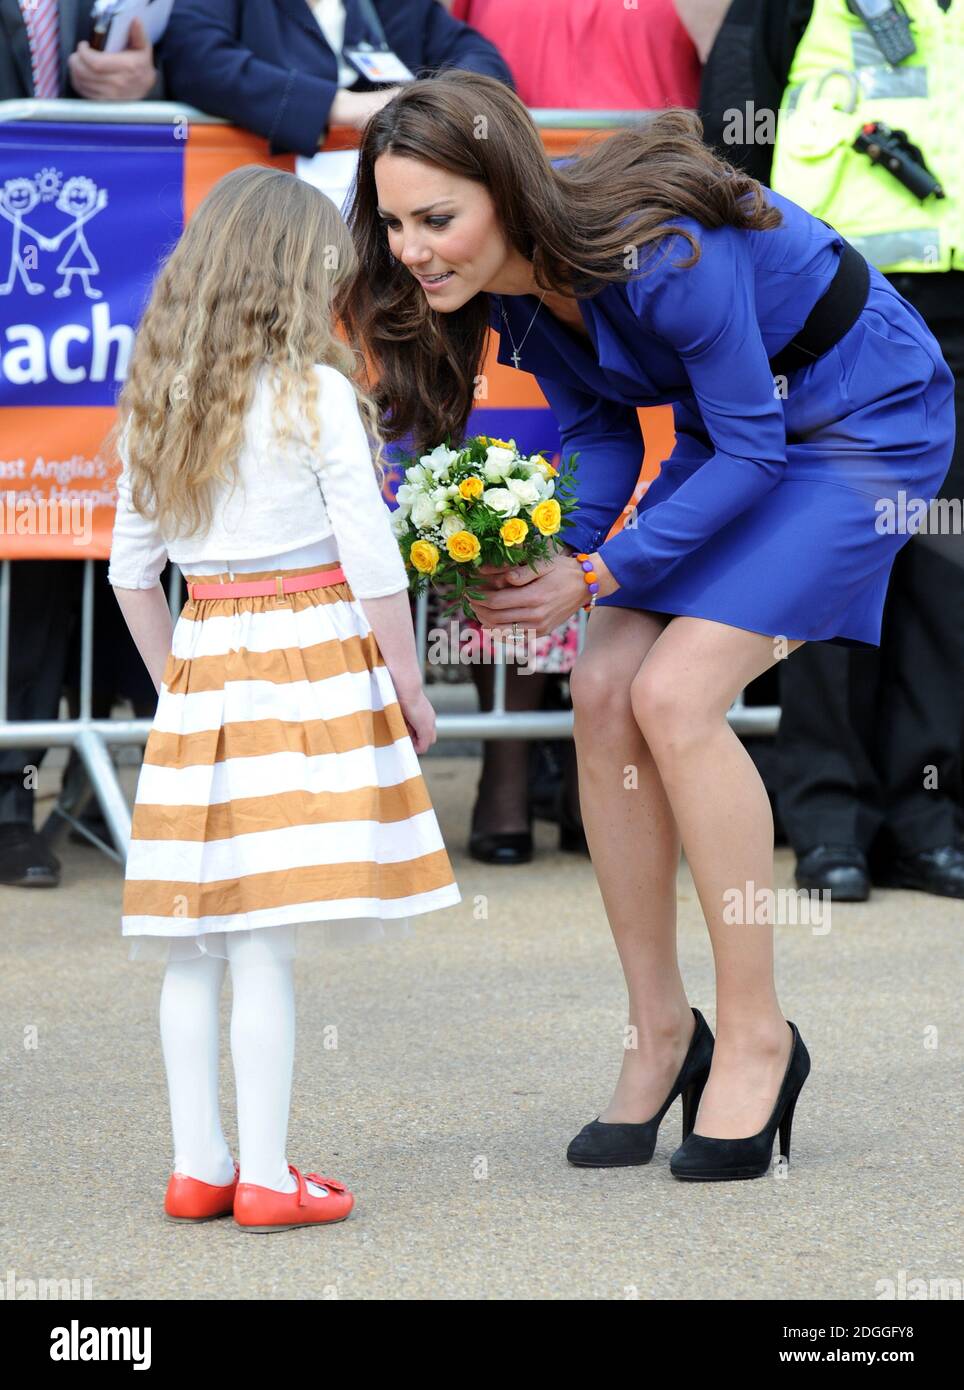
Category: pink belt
[280,584]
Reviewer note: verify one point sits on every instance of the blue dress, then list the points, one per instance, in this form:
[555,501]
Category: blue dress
[770,513]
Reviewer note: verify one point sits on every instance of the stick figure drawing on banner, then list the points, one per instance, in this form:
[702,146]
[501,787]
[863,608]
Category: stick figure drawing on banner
[82,199]
[18,198]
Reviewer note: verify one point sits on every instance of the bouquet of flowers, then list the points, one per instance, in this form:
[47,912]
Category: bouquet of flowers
[484,503]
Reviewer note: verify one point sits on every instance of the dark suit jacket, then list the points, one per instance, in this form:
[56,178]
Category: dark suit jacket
[16,75]
[750,61]
[266,65]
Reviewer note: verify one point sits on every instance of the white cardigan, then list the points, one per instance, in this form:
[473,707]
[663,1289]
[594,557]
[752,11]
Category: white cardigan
[289,498]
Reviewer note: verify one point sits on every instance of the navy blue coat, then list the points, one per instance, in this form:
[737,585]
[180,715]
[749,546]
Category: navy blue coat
[267,66]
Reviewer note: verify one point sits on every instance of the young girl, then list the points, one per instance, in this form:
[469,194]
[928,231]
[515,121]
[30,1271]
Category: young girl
[280,782]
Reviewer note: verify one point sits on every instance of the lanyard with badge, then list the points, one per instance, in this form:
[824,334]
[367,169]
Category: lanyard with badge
[376,61]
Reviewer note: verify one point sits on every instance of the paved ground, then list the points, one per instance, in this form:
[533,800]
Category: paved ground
[466,1059]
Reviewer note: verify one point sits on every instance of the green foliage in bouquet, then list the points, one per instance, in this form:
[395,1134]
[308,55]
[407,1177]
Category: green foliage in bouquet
[484,503]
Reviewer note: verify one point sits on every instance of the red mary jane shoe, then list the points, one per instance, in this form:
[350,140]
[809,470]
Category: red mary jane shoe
[189,1199]
[265,1209]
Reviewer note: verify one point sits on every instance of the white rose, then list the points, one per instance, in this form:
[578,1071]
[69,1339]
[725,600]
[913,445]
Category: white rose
[501,500]
[424,512]
[524,489]
[451,524]
[497,462]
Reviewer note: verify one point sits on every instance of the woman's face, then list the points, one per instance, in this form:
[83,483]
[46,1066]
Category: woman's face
[444,230]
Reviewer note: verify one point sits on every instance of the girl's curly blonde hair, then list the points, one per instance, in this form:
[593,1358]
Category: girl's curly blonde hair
[255,279]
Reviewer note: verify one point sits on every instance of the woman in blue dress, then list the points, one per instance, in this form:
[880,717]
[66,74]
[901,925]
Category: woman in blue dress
[645,271]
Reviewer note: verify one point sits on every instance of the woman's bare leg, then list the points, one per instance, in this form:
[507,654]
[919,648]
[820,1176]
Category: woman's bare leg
[635,850]
[681,695]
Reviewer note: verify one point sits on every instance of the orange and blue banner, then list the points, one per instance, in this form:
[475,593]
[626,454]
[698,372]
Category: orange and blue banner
[87,214]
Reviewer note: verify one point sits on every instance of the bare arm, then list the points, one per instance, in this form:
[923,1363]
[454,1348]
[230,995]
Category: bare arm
[148,617]
[390,617]
[391,621]
[702,19]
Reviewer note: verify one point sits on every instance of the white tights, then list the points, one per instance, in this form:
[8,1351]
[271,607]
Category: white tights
[262,1049]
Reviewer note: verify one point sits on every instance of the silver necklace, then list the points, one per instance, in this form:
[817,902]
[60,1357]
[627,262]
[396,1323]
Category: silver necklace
[516,350]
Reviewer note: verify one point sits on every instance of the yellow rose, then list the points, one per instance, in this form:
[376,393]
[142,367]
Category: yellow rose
[547,469]
[514,531]
[424,556]
[471,488]
[547,516]
[502,443]
[463,546]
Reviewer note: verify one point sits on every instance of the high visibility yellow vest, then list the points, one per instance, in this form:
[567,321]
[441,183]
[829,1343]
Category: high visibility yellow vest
[838,81]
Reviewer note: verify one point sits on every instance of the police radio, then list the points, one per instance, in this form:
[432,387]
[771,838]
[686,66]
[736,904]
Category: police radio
[893,151]
[888,25]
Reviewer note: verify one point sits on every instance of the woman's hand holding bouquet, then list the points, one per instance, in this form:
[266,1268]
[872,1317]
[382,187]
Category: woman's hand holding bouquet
[469,519]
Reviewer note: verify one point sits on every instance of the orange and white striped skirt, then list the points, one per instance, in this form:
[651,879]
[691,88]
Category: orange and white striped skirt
[279,785]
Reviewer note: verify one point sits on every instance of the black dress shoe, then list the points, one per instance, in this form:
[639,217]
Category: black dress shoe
[701,1158]
[25,860]
[603,1145]
[501,847]
[839,869]
[513,847]
[930,870]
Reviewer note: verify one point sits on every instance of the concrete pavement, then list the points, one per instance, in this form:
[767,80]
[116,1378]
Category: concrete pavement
[466,1059]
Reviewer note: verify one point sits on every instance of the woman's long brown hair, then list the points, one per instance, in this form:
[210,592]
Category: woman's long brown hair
[576,225]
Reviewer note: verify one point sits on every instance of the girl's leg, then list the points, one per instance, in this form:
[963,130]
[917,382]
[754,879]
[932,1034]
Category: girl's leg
[189,1040]
[680,697]
[635,850]
[263,1049]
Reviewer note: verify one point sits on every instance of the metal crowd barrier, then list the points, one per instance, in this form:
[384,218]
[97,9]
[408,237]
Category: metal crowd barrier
[91,737]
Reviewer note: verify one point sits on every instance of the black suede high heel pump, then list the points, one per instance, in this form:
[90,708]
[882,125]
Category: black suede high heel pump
[703,1159]
[603,1145]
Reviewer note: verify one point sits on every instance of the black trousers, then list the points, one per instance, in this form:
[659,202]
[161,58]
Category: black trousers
[869,749]
[45,608]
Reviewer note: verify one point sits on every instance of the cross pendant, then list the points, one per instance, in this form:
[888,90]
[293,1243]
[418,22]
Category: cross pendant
[515,359]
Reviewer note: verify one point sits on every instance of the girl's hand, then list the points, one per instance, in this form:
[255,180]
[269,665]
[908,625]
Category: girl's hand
[419,715]
[538,600]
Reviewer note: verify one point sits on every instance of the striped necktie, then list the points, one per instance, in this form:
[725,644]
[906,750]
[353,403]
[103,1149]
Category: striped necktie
[41,19]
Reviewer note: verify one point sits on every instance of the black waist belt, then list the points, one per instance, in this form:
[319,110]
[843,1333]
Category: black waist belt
[835,312]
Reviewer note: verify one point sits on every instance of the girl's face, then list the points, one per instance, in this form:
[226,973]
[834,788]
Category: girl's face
[444,230]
